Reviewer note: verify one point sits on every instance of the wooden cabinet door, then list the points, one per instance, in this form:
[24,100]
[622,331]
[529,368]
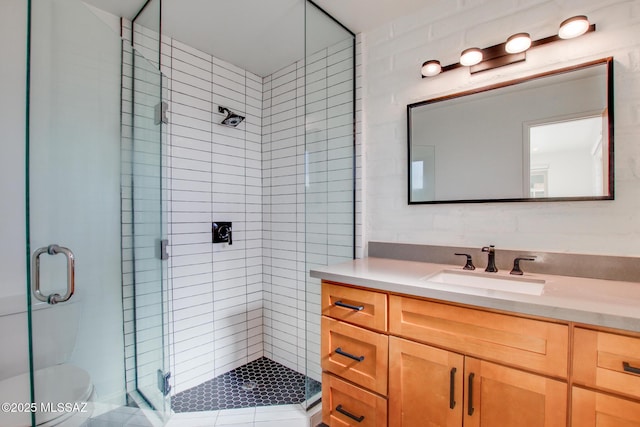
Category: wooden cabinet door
[497,396]
[425,385]
[593,409]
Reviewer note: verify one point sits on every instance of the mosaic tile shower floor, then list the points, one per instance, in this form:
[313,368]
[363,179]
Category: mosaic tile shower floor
[262,382]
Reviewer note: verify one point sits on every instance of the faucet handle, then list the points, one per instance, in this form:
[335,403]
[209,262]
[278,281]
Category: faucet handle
[516,264]
[469,265]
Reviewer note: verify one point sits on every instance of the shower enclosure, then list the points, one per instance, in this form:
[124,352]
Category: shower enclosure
[129,166]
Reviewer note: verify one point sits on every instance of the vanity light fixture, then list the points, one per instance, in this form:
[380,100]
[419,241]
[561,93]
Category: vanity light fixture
[509,52]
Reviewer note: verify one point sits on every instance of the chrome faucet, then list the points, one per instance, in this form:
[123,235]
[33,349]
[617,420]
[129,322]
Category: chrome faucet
[491,264]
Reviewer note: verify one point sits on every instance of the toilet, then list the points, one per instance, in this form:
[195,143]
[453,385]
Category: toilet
[63,391]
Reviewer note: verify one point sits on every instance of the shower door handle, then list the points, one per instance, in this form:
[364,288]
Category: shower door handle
[35,270]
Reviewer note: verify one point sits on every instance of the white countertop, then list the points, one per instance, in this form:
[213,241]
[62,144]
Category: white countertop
[607,303]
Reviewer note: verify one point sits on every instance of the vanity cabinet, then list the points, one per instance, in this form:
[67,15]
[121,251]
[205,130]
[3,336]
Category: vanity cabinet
[449,389]
[530,344]
[354,349]
[609,364]
[456,383]
[416,362]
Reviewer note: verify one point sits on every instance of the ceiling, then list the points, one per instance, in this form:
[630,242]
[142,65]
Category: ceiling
[581,134]
[262,36]
[363,15]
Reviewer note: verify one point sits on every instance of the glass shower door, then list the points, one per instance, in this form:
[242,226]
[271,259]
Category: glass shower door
[144,206]
[148,241]
[329,185]
[76,220]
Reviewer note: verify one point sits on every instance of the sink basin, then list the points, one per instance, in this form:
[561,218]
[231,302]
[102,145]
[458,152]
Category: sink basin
[481,280]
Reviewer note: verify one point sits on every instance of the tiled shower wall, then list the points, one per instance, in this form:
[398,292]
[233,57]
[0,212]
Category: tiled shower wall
[308,126]
[253,175]
[215,175]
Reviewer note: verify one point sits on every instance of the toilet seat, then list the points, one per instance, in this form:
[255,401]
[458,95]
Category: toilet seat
[59,384]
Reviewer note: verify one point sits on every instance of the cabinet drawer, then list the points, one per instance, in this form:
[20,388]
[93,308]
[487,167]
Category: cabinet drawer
[607,361]
[534,345]
[592,409]
[344,404]
[356,354]
[357,306]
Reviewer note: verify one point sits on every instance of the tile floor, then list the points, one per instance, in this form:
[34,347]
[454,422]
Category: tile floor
[262,393]
[265,416]
[261,382]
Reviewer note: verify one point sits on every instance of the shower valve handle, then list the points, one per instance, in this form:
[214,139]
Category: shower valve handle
[222,232]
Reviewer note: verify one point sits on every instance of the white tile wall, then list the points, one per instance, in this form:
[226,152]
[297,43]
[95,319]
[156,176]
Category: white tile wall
[308,196]
[392,56]
[215,176]
[233,304]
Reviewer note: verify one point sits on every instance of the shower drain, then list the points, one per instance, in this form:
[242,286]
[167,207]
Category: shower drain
[249,385]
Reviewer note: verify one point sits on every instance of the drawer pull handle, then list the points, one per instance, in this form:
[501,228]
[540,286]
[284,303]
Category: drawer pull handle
[352,307]
[470,409]
[353,417]
[629,368]
[349,355]
[452,388]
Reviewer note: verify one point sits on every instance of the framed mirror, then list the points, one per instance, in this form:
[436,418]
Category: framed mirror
[546,137]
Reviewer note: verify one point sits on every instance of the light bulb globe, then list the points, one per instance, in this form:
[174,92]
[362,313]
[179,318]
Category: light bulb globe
[518,43]
[573,27]
[471,56]
[431,68]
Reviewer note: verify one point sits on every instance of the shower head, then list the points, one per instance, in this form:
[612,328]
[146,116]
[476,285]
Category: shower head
[232,119]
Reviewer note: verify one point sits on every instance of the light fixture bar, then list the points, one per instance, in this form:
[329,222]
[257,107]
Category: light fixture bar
[496,56]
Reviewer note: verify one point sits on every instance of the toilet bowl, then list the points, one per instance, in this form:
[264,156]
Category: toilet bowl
[63,392]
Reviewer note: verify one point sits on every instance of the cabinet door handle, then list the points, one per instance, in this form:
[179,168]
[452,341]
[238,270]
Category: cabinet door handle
[350,415]
[452,388]
[470,409]
[628,368]
[352,307]
[349,355]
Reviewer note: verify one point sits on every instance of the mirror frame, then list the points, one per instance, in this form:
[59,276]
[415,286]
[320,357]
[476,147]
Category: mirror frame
[608,61]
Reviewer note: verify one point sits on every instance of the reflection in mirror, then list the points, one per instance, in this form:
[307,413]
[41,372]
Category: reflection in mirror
[546,137]
[572,147]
